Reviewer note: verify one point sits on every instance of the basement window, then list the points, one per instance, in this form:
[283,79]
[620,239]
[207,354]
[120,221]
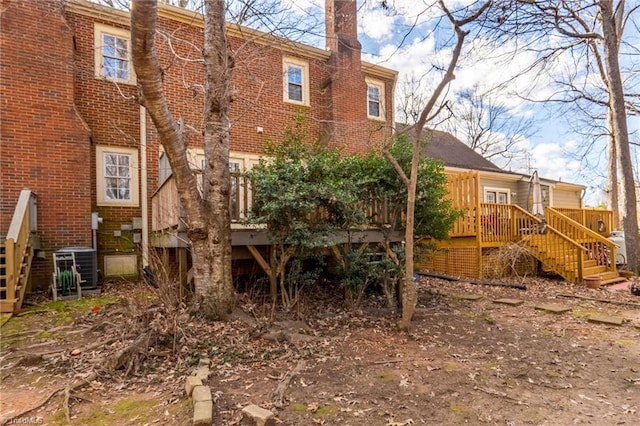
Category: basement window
[113,54]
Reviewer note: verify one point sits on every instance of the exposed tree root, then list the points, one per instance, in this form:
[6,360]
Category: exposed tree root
[128,356]
[501,394]
[67,391]
[278,394]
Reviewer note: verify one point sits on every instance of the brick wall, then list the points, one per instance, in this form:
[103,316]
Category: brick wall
[48,82]
[44,145]
[113,116]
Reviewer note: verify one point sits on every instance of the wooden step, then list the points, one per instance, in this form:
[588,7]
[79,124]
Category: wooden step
[608,278]
[614,280]
[8,306]
[594,270]
[588,263]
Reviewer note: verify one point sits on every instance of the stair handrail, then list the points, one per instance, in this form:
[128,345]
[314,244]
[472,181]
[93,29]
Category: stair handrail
[580,250]
[610,263]
[551,228]
[17,240]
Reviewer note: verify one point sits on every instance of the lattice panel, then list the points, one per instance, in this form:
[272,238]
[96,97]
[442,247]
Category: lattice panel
[463,262]
[455,261]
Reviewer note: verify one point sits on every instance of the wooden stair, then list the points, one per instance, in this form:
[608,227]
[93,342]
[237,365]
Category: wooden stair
[6,305]
[11,301]
[16,253]
[568,258]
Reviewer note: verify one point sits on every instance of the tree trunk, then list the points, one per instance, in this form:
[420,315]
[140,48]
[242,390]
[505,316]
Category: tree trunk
[613,189]
[409,290]
[629,211]
[207,215]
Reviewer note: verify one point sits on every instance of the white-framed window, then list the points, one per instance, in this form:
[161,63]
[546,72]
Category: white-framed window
[375,99]
[497,195]
[112,48]
[296,81]
[241,196]
[117,176]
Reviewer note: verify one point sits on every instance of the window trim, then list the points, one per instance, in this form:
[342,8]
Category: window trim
[98,31]
[381,89]
[487,189]
[101,199]
[304,66]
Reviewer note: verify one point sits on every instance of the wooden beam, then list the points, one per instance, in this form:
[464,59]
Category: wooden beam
[336,253]
[258,256]
[182,266]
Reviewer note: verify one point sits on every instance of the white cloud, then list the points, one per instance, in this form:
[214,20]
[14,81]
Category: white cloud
[302,7]
[377,25]
[551,162]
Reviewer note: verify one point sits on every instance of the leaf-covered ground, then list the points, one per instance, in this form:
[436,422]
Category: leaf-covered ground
[464,362]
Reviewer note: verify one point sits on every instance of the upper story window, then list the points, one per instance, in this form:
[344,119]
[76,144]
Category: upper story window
[113,54]
[296,81]
[375,99]
[117,176]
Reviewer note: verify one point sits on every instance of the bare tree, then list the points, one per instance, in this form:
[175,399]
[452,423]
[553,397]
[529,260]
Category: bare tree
[416,133]
[207,213]
[590,31]
[485,124]
[125,4]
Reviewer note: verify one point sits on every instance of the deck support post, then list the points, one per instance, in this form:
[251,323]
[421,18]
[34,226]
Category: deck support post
[479,230]
[259,258]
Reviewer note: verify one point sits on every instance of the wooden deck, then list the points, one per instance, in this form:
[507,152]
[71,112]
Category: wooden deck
[168,230]
[571,243]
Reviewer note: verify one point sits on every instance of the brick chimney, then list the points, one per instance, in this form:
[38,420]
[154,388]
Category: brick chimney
[346,89]
[341,26]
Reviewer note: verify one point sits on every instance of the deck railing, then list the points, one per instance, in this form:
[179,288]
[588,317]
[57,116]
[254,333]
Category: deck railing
[556,250]
[600,221]
[503,223]
[16,249]
[167,211]
[598,248]
[463,189]
[558,253]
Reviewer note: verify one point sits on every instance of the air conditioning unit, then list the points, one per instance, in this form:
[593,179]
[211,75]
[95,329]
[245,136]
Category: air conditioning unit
[86,265]
[621,251]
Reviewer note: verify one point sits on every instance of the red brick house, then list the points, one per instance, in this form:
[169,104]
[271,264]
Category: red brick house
[73,134]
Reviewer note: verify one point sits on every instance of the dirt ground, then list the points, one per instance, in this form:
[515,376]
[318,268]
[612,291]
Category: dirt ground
[464,361]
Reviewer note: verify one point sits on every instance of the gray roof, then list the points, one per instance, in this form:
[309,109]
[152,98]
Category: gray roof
[452,152]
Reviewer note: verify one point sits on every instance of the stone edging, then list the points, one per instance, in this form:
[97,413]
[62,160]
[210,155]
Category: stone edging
[195,386]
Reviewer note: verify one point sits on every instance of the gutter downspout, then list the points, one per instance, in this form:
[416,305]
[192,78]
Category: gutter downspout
[144,190]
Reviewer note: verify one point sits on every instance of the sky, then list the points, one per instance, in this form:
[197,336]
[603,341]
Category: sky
[402,37]
[554,149]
